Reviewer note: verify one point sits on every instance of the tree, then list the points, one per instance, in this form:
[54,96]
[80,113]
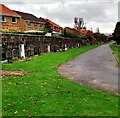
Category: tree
[103,37]
[78,23]
[110,38]
[83,37]
[48,28]
[97,30]
[100,37]
[89,37]
[116,34]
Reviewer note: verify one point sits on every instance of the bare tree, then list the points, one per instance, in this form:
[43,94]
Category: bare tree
[78,23]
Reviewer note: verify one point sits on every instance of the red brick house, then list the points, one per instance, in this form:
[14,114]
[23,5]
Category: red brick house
[55,27]
[71,30]
[9,20]
[18,21]
[29,22]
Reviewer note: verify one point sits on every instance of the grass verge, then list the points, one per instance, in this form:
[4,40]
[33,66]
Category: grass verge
[44,92]
[116,50]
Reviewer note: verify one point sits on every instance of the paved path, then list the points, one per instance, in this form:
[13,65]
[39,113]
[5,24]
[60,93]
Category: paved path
[97,69]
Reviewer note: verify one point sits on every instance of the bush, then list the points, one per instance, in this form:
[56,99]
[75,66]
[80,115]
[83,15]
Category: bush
[70,35]
[83,37]
[116,33]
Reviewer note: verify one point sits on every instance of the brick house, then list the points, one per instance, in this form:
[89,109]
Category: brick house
[29,22]
[55,27]
[9,20]
[71,30]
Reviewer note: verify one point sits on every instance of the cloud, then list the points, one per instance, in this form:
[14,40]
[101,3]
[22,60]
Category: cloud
[96,12]
[103,14]
[119,11]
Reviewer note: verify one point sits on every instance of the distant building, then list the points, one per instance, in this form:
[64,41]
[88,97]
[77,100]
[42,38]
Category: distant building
[9,20]
[71,30]
[79,32]
[54,27]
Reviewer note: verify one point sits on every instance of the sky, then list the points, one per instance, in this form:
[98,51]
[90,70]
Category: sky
[102,14]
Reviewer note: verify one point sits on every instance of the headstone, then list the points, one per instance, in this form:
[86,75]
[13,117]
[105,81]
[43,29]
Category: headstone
[65,46]
[49,48]
[22,51]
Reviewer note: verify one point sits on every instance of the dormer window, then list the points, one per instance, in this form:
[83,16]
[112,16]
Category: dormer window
[35,24]
[14,20]
[2,19]
[29,24]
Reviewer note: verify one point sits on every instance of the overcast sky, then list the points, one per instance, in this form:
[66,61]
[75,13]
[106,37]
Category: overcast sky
[96,13]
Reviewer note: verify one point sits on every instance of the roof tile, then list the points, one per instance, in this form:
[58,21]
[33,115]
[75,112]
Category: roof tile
[51,22]
[29,17]
[6,11]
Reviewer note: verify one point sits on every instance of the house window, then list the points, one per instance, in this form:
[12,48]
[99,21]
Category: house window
[57,28]
[42,25]
[29,24]
[2,18]
[35,24]
[14,20]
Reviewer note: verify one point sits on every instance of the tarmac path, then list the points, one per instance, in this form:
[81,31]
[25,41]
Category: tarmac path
[96,68]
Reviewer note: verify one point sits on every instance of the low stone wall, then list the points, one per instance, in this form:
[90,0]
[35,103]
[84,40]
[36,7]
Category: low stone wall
[16,46]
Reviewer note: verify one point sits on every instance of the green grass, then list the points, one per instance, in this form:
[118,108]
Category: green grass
[116,51]
[44,92]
